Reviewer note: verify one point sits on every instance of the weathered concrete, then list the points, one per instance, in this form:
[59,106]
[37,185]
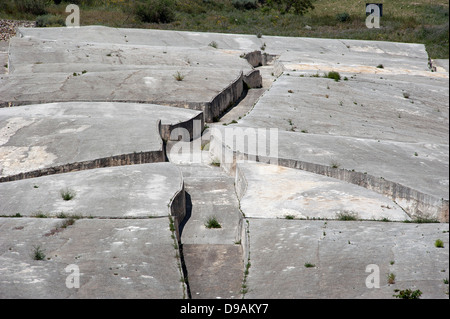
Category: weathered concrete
[375,129]
[211,194]
[116,259]
[365,106]
[357,161]
[135,191]
[214,271]
[213,257]
[340,253]
[269,191]
[70,67]
[304,50]
[389,135]
[61,137]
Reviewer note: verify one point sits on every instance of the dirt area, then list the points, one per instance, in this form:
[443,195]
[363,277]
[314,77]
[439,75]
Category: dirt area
[8,28]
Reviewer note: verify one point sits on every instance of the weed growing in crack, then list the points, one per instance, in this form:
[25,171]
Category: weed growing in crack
[179,76]
[212,222]
[67,194]
[439,243]
[347,216]
[38,253]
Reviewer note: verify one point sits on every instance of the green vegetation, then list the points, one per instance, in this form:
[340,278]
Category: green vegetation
[333,75]
[347,216]
[439,243]
[309,265]
[67,194]
[179,76]
[408,294]
[420,21]
[38,253]
[391,279]
[212,222]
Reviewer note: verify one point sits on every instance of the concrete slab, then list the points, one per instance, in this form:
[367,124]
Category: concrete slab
[34,55]
[399,108]
[135,191]
[270,191]
[441,65]
[68,136]
[368,127]
[339,254]
[155,86]
[384,167]
[118,258]
[356,52]
[68,68]
[211,194]
[214,271]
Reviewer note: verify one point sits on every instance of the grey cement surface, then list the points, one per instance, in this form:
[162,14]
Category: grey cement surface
[214,271]
[4,47]
[441,65]
[340,253]
[47,135]
[366,106]
[318,51]
[388,160]
[156,86]
[276,192]
[116,259]
[211,194]
[70,68]
[384,134]
[34,55]
[134,191]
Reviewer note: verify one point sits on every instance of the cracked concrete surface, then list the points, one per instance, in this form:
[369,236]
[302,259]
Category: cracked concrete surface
[374,144]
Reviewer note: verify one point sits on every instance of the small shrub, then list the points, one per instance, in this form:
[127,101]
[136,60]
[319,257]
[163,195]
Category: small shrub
[408,294]
[178,76]
[347,216]
[35,7]
[38,253]
[67,194]
[333,75]
[215,162]
[309,265]
[245,4]
[391,279]
[212,222]
[439,243]
[213,44]
[289,217]
[380,66]
[155,11]
[335,164]
[343,17]
[49,20]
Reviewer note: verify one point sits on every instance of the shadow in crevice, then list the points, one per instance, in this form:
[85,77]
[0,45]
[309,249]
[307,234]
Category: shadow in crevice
[188,213]
[181,227]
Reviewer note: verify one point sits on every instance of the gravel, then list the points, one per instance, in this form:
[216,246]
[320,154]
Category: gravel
[8,27]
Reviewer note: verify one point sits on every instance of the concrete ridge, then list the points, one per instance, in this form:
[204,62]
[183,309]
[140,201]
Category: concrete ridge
[143,157]
[417,204]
